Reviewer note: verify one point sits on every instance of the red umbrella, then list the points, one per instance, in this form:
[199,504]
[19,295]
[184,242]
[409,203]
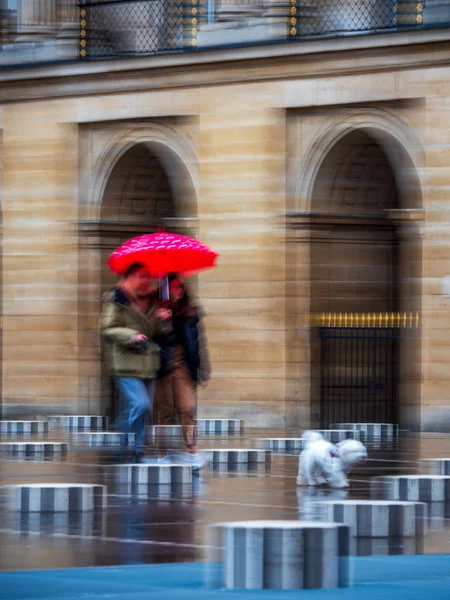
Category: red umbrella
[163,253]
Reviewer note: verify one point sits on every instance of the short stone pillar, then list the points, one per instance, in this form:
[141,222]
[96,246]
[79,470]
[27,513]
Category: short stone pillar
[284,555]
[412,488]
[281,445]
[220,426]
[371,431]
[55,497]
[235,456]
[339,435]
[372,518]
[437,466]
[166,437]
[79,422]
[23,427]
[103,439]
[38,450]
[153,475]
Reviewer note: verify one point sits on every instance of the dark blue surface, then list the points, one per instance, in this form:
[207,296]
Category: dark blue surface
[376,578]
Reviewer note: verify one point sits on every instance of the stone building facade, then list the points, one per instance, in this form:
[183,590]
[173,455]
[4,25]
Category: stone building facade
[318,170]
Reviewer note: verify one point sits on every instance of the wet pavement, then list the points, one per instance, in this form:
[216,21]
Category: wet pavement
[168,525]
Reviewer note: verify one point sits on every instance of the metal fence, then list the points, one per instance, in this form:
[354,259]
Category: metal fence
[112,28]
[119,28]
[359,365]
[358,375]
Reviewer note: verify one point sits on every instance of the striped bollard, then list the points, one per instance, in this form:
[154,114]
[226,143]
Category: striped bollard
[437,466]
[220,426]
[23,427]
[235,456]
[281,445]
[284,555]
[79,422]
[372,518]
[54,497]
[103,439]
[412,488]
[38,450]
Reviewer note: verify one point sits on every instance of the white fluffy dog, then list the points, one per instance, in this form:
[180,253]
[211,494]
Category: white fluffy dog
[323,462]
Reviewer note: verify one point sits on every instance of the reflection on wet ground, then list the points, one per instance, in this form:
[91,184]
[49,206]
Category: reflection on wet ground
[168,524]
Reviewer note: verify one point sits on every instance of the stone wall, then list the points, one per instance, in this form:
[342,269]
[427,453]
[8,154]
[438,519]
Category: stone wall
[251,150]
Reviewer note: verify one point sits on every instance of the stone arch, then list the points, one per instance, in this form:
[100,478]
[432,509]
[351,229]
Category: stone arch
[368,260]
[174,151]
[172,156]
[393,135]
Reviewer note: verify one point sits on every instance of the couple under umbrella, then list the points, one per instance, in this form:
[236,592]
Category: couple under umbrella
[157,335]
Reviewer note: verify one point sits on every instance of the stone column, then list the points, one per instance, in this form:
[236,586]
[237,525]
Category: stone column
[37,19]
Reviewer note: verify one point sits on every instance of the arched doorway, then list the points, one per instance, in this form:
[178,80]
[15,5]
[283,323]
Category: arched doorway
[140,185]
[364,278]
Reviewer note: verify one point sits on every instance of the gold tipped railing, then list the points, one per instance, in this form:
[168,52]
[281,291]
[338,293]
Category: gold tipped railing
[404,320]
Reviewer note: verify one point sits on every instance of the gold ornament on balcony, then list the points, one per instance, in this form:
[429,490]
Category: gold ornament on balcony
[419,19]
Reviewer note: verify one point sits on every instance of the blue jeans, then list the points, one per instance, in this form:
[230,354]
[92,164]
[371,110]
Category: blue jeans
[137,395]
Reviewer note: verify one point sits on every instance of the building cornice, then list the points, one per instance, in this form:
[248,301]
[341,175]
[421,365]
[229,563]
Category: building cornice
[296,60]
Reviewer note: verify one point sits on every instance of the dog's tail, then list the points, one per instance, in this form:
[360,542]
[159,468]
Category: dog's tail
[311,436]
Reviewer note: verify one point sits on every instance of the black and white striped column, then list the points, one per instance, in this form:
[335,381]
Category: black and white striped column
[79,422]
[437,466]
[23,427]
[283,555]
[413,488]
[151,475]
[285,445]
[371,430]
[55,497]
[55,450]
[103,439]
[80,523]
[220,426]
[235,456]
[339,435]
[372,518]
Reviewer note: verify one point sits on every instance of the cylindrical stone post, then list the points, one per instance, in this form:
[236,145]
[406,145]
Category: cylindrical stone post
[278,555]
[374,518]
[38,450]
[23,427]
[413,488]
[55,497]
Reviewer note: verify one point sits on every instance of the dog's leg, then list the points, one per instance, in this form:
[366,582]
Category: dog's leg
[301,477]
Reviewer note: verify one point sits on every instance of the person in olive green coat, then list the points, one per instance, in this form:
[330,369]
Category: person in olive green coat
[132,322]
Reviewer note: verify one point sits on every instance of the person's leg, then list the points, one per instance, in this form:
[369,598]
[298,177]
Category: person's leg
[164,407]
[185,404]
[138,402]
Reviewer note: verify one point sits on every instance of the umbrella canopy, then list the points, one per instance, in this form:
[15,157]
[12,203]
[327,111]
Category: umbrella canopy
[163,253]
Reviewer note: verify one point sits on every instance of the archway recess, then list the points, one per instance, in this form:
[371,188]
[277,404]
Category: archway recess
[138,185]
[365,260]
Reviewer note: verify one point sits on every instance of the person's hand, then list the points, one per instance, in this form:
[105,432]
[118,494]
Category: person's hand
[139,337]
[204,384]
[164,314]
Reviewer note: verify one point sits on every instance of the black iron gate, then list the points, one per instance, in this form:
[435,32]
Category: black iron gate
[359,367]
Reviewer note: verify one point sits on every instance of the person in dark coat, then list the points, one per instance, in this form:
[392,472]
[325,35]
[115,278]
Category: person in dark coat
[184,365]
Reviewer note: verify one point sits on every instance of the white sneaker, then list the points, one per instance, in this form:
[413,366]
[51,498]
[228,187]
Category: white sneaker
[198,461]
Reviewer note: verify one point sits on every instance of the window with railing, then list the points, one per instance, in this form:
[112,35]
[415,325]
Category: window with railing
[99,29]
